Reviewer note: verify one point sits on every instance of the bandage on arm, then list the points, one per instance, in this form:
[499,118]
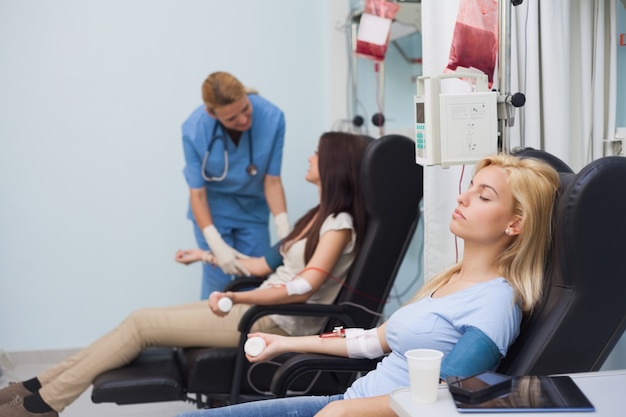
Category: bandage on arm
[298,286]
[363,343]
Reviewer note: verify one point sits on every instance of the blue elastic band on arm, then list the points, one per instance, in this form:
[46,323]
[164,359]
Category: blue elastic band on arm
[474,353]
[273,257]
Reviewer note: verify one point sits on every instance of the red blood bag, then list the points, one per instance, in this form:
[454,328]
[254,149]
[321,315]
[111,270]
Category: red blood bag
[475,40]
[374,29]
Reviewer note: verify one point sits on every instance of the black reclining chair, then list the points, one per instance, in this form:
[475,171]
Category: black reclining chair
[393,187]
[583,312]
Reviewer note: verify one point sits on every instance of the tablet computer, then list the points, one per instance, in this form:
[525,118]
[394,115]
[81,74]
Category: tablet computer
[530,394]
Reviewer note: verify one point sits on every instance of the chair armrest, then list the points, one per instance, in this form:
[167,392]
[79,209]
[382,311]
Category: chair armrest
[302,363]
[332,311]
[239,284]
[255,312]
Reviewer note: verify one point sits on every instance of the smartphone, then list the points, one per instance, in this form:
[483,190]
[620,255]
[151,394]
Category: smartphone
[479,387]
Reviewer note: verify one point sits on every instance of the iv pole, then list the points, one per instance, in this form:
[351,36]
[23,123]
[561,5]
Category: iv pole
[506,101]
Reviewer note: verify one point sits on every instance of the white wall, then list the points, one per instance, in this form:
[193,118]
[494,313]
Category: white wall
[92,96]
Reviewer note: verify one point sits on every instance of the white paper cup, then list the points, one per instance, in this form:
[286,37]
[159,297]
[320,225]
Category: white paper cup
[424,367]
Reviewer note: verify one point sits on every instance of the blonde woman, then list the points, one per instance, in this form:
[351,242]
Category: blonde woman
[504,220]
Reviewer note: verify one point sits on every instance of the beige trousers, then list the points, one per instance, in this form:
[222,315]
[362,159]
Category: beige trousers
[187,325]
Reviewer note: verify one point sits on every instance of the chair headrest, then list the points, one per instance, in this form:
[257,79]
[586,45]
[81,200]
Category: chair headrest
[389,174]
[583,313]
[555,162]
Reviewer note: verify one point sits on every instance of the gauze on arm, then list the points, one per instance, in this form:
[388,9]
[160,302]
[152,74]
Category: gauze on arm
[298,286]
[363,344]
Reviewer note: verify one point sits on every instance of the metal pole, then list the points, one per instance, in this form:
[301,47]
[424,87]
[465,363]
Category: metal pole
[381,104]
[504,70]
[354,68]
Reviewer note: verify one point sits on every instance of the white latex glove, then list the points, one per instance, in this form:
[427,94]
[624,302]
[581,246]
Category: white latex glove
[225,255]
[282,225]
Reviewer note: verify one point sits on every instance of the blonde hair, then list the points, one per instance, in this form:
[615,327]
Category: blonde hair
[221,89]
[533,184]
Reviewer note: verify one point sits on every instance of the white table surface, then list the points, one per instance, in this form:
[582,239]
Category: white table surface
[606,391]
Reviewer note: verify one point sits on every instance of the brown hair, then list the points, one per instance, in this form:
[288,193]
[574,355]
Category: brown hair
[339,163]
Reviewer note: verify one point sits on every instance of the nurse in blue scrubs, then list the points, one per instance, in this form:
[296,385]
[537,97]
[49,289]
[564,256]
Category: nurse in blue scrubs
[233,147]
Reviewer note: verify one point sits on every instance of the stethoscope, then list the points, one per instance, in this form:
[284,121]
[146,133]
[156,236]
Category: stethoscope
[251,169]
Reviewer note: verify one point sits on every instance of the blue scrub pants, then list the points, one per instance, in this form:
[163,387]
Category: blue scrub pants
[291,407]
[253,240]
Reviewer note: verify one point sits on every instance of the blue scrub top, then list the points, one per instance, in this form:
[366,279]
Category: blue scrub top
[239,198]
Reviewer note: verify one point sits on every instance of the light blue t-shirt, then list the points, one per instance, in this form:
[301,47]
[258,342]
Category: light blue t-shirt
[239,197]
[438,323]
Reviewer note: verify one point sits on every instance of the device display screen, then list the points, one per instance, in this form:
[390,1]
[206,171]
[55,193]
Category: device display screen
[419,113]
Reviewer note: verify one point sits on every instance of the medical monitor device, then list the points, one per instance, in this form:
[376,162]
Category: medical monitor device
[455,128]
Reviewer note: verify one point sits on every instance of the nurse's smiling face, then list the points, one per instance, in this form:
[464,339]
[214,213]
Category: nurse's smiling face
[235,116]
